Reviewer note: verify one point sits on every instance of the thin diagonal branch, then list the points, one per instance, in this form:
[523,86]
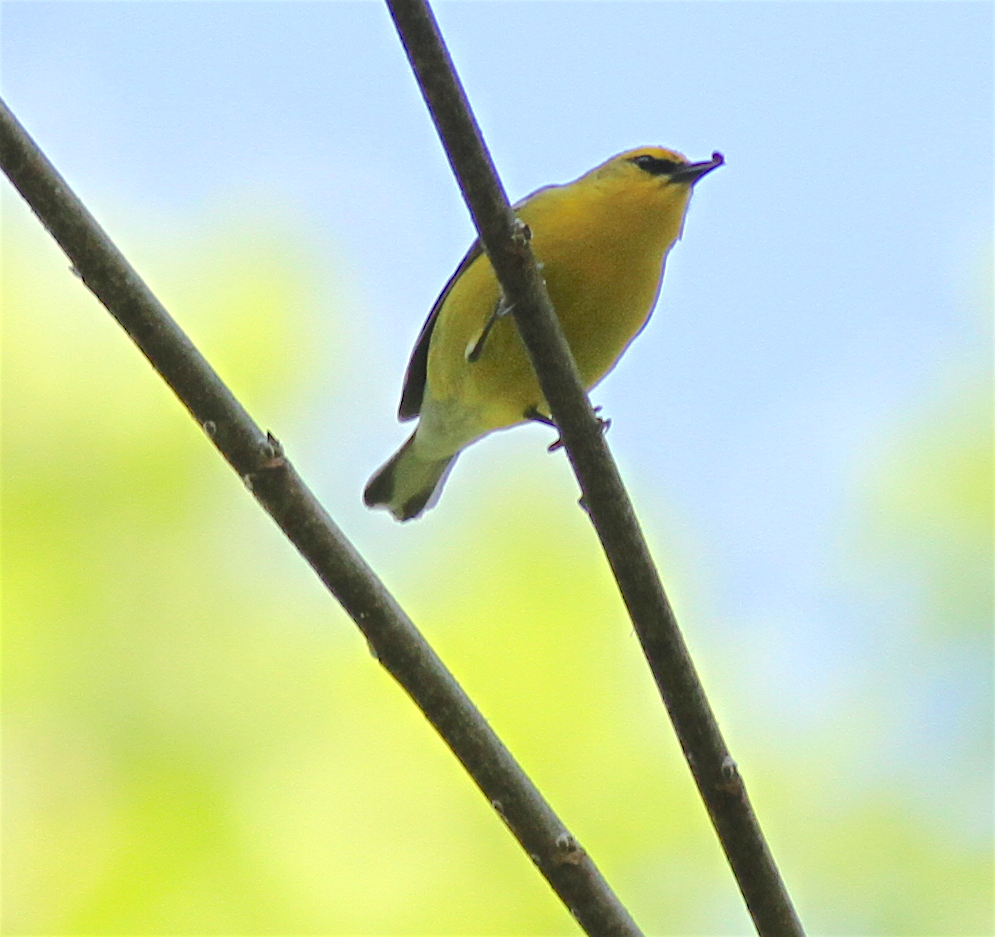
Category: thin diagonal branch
[258,459]
[605,497]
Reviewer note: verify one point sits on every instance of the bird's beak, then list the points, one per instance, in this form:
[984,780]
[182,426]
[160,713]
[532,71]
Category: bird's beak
[692,172]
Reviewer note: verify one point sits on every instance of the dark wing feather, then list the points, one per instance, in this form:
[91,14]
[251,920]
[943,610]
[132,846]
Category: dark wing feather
[414,379]
[413,392]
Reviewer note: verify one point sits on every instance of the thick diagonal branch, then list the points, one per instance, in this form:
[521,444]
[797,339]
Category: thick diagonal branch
[605,497]
[258,459]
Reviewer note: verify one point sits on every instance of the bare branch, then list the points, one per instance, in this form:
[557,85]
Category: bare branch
[258,459]
[605,497]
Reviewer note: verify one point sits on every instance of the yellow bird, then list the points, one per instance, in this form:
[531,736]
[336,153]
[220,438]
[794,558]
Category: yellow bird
[601,242]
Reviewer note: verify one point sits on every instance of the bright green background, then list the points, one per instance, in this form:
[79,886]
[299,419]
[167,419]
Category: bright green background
[195,739]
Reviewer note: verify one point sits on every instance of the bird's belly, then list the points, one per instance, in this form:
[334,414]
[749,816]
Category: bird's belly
[601,317]
[601,306]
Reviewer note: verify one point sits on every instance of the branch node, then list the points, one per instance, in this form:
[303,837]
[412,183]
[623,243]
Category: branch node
[732,781]
[521,235]
[571,852]
[272,456]
[273,452]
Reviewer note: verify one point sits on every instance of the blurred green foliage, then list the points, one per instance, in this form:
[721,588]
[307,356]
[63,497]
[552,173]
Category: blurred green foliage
[196,740]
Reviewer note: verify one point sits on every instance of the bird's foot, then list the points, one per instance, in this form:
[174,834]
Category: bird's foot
[500,310]
[533,414]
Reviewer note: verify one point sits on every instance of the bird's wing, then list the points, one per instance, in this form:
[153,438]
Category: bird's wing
[414,379]
[413,391]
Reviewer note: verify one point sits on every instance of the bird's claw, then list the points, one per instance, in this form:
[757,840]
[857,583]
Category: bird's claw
[533,414]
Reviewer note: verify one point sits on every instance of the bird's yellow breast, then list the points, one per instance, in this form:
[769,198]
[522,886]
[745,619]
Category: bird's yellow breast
[601,248]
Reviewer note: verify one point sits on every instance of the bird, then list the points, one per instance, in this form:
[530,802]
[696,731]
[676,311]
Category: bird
[601,243]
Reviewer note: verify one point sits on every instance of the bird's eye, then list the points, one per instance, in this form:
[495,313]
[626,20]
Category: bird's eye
[653,165]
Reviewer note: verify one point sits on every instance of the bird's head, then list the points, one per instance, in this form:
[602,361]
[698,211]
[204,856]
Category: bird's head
[653,168]
[650,182]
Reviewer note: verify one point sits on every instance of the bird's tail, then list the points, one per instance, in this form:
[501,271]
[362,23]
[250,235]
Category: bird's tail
[408,484]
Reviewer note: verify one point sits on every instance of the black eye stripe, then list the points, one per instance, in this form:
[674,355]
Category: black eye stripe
[655,166]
